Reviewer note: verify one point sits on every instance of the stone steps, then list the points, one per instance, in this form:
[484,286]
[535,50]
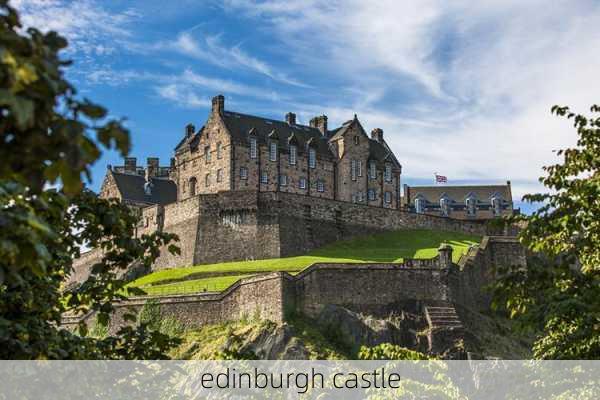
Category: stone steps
[442,317]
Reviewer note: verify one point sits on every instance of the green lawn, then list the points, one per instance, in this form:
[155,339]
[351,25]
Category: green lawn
[386,247]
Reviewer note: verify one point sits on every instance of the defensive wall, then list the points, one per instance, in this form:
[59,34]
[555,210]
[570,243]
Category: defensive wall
[371,288]
[240,225]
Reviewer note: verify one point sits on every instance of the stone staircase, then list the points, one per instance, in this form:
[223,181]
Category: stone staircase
[445,328]
[442,316]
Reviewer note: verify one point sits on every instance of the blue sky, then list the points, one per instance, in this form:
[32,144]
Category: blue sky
[461,88]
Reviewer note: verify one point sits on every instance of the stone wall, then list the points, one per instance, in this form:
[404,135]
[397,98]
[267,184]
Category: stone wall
[256,297]
[377,289]
[475,271]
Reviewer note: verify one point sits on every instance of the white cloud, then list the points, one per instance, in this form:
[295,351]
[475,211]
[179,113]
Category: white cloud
[212,50]
[89,28]
[464,88]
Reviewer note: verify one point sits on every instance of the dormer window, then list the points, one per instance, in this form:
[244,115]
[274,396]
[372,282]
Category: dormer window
[496,205]
[253,151]
[471,204]
[273,151]
[419,205]
[312,158]
[207,154]
[293,154]
[445,206]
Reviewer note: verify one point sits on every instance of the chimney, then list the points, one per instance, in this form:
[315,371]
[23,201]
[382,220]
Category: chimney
[290,118]
[130,165]
[218,104]
[152,166]
[377,134]
[320,123]
[189,130]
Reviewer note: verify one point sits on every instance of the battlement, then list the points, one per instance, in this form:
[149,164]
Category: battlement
[152,168]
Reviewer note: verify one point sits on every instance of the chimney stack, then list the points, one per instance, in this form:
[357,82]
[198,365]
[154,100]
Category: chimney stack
[218,104]
[152,166]
[320,123]
[130,165]
[189,130]
[290,118]
[377,134]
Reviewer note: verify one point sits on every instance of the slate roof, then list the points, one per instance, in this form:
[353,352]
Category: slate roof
[240,124]
[459,193]
[164,191]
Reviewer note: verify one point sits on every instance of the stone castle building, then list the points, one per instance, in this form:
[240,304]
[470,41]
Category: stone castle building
[234,151]
[481,202]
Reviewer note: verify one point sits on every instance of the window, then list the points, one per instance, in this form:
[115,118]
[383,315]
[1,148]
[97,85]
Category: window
[273,151]
[253,148]
[388,197]
[372,170]
[320,186]
[192,185]
[243,173]
[207,153]
[371,194]
[471,203]
[264,178]
[219,152]
[388,173]
[356,140]
[312,158]
[283,180]
[445,206]
[207,180]
[419,205]
[293,154]
[359,168]
[219,175]
[496,205]
[353,170]
[302,184]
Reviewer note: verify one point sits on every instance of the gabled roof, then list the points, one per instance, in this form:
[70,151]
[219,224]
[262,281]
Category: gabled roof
[131,187]
[459,193]
[240,124]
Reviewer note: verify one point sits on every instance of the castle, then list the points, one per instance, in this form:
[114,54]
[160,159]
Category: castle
[244,187]
[234,151]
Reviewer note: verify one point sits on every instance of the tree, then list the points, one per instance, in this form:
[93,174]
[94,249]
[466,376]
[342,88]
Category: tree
[50,137]
[558,294]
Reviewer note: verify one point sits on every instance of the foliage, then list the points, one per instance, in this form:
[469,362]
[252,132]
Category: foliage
[384,247]
[50,137]
[388,351]
[150,315]
[559,291]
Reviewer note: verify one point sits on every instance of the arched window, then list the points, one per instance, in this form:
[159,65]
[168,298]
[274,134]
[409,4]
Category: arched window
[471,204]
[445,206]
[192,185]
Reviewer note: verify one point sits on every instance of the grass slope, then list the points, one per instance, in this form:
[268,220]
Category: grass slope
[385,247]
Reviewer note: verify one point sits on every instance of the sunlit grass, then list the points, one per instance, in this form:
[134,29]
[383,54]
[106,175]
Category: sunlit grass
[386,247]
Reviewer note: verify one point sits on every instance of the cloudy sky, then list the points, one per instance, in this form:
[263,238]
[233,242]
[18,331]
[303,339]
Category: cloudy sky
[462,88]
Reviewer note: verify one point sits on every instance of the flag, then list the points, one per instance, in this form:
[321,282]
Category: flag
[440,179]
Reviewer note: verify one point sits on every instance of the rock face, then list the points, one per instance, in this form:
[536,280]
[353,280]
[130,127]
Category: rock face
[354,329]
[280,343]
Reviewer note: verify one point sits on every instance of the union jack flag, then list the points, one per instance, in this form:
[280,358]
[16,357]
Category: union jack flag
[440,179]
